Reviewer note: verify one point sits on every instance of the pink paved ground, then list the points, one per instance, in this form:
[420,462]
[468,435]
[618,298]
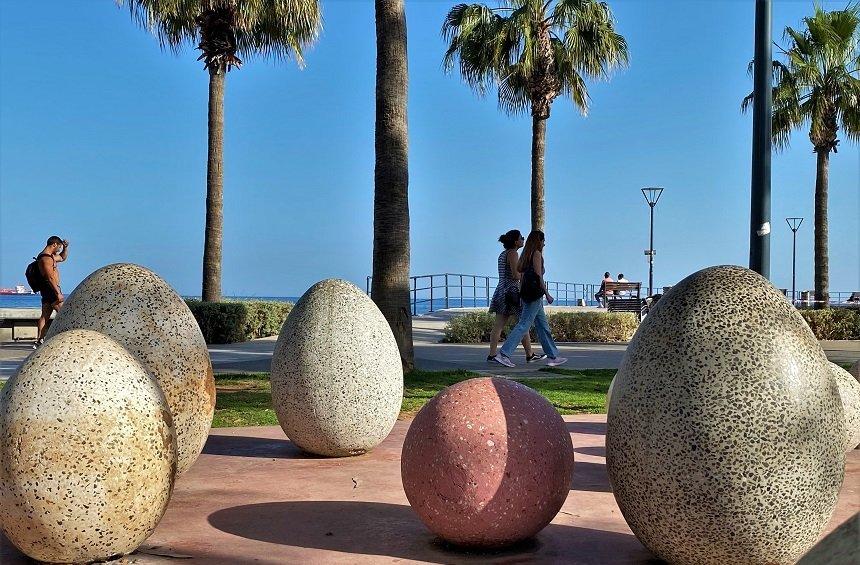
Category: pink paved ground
[253,497]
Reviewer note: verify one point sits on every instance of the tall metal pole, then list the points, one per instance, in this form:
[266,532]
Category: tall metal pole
[793,262]
[761,147]
[651,256]
[794,225]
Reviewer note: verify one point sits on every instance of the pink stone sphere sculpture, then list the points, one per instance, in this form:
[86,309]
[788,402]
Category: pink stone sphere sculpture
[487,463]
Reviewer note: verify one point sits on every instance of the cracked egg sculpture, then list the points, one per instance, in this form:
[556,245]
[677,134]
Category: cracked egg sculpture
[725,435]
[87,451]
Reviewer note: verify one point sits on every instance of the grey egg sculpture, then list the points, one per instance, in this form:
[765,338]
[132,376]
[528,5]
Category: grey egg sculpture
[87,451]
[724,435]
[135,307]
[337,378]
[849,393]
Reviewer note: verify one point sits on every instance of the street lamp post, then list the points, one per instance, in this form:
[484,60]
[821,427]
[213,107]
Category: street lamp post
[652,195]
[761,142]
[794,224]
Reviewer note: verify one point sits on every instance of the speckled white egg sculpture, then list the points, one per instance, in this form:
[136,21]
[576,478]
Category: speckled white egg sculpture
[87,451]
[725,437]
[849,392]
[138,309]
[609,392]
[337,378]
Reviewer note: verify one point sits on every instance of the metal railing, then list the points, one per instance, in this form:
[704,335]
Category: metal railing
[807,298]
[429,293]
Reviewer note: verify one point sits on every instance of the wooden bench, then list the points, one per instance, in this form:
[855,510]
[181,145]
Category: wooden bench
[623,297]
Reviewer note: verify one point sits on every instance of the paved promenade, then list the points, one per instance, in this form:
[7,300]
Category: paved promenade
[253,497]
[430,353]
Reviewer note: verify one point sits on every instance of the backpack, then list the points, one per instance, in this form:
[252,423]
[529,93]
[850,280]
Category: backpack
[35,278]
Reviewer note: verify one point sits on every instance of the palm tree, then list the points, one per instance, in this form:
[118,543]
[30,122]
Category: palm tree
[534,51]
[224,30]
[390,284]
[819,85]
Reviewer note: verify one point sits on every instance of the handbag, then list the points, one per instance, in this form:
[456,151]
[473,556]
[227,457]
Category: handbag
[512,297]
[530,287]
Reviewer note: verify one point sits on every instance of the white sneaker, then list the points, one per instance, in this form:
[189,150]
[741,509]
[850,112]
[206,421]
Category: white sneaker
[502,359]
[556,361]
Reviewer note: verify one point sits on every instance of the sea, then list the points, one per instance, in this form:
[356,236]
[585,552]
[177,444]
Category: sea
[35,300]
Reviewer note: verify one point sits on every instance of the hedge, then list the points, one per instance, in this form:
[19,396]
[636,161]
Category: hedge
[475,327]
[233,321]
[833,323]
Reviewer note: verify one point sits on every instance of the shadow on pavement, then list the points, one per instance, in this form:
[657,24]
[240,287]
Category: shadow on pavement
[242,446]
[595,428]
[596,450]
[588,476]
[372,528]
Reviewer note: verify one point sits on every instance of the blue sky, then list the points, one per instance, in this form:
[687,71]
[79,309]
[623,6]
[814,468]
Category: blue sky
[103,141]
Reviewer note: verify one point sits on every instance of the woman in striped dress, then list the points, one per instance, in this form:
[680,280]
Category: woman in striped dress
[506,298]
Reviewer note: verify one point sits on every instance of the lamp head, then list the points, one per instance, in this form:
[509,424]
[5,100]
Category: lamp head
[652,194]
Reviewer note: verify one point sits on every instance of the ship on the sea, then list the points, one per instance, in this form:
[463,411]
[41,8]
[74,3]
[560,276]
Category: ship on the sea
[19,289]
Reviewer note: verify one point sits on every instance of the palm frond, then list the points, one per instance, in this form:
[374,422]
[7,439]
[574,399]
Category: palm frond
[815,86]
[279,29]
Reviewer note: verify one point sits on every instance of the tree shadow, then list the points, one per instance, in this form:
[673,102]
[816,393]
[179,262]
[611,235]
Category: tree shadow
[394,530]
[594,428]
[244,446]
[589,476]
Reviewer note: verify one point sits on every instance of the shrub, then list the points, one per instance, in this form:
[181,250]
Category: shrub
[475,327]
[833,323]
[593,326]
[232,321]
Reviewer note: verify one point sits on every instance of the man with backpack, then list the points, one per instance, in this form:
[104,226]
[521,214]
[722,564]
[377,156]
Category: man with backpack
[43,276]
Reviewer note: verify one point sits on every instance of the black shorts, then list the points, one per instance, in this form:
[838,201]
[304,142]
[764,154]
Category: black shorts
[48,296]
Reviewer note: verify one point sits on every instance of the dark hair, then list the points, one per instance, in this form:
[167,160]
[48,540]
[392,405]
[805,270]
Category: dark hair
[535,238]
[620,275]
[55,239]
[509,239]
[606,274]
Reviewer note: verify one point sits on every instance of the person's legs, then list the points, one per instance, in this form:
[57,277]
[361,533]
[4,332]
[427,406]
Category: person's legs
[527,316]
[527,344]
[496,334]
[44,321]
[544,334]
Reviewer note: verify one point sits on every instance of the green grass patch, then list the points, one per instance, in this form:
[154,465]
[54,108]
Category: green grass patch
[246,399]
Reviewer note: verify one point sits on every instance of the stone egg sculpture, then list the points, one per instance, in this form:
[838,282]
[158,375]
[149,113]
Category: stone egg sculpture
[487,463]
[135,307]
[849,393]
[337,378]
[724,436]
[609,392]
[87,451]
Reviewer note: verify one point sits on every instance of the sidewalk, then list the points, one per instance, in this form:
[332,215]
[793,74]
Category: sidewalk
[430,353]
[253,497]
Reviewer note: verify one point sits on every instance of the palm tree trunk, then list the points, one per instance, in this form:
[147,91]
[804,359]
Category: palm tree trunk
[538,152]
[214,189]
[822,260]
[390,287]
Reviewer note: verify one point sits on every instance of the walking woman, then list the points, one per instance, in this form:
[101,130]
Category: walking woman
[532,290]
[506,298]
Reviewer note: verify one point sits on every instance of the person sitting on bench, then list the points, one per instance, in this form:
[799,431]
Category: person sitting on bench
[601,294]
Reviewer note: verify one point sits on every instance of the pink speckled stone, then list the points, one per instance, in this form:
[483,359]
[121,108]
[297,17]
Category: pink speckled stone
[487,463]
